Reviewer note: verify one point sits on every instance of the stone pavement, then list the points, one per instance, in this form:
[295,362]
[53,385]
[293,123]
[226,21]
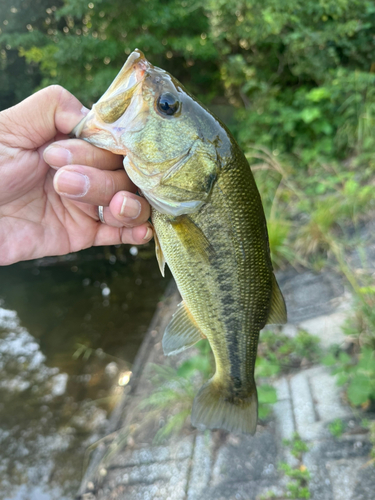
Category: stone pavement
[217,465]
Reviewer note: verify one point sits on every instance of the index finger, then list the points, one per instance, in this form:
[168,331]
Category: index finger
[38,118]
[78,152]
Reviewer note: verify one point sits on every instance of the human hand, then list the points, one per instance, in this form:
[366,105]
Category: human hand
[54,211]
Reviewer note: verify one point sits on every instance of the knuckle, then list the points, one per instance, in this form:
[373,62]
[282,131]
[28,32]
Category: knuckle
[55,91]
[124,235]
[109,187]
[90,156]
[60,95]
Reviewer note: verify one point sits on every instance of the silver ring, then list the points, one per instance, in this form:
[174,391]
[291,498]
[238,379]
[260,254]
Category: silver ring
[101,214]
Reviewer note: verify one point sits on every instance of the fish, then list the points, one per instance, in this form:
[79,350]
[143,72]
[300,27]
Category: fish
[209,228]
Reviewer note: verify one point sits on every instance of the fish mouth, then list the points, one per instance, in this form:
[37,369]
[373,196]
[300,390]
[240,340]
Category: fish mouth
[105,123]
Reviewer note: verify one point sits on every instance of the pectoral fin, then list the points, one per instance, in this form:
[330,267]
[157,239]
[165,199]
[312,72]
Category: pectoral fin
[192,238]
[181,333]
[277,314]
[159,254]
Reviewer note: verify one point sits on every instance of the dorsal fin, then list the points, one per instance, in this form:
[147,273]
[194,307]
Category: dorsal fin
[277,314]
[181,332]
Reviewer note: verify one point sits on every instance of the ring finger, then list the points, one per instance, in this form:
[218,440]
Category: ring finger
[125,209]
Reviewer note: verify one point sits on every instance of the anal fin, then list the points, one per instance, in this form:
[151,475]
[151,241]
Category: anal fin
[181,333]
[277,314]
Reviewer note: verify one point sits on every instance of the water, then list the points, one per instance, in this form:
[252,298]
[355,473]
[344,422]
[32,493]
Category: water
[69,331]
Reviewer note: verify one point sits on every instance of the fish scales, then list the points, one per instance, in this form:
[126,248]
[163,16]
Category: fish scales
[209,227]
[223,289]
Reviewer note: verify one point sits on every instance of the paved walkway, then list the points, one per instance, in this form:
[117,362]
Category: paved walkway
[217,465]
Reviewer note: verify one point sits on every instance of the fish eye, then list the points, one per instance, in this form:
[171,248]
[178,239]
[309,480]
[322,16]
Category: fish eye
[168,104]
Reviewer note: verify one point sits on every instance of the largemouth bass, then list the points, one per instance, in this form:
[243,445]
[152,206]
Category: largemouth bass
[209,228]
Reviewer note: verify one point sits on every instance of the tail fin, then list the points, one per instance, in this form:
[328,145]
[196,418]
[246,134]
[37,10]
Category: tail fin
[212,409]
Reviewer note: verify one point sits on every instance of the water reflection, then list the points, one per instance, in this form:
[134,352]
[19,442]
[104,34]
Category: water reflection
[69,331]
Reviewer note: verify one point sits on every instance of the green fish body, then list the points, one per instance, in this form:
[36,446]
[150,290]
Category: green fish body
[209,227]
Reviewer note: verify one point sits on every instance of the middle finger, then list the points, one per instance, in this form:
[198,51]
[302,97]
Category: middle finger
[91,185]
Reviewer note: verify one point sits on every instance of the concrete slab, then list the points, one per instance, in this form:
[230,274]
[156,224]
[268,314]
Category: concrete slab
[243,467]
[302,403]
[283,409]
[202,460]
[309,294]
[344,476]
[327,327]
[326,395]
[150,454]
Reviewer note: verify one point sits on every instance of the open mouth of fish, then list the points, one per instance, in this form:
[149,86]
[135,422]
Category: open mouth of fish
[121,109]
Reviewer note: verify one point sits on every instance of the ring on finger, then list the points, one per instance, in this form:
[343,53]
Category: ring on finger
[101,213]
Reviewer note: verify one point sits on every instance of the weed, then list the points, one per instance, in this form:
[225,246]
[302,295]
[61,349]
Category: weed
[281,251]
[175,390]
[358,374]
[297,446]
[336,428]
[298,486]
[278,353]
[266,397]
[362,325]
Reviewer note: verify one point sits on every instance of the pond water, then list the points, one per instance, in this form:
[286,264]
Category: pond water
[70,328]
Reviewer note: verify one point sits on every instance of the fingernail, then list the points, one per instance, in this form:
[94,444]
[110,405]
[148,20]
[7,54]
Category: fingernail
[71,183]
[130,208]
[56,156]
[149,234]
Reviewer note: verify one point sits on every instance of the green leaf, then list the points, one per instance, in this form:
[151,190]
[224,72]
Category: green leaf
[267,394]
[318,94]
[263,411]
[329,360]
[367,361]
[359,390]
[310,114]
[266,368]
[344,358]
[342,378]
[199,363]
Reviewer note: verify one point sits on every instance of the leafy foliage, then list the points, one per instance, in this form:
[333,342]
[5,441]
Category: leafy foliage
[336,427]
[359,375]
[279,353]
[297,487]
[356,372]
[301,71]
[296,445]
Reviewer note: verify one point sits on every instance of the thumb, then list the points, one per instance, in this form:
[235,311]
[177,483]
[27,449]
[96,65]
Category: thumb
[37,119]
